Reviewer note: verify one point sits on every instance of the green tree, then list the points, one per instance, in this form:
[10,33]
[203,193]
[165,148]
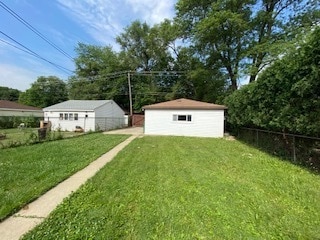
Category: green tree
[98,75]
[9,94]
[145,47]
[218,30]
[286,96]
[242,37]
[95,61]
[276,26]
[44,92]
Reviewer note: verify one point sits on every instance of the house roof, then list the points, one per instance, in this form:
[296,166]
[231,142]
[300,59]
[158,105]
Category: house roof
[4,104]
[184,103]
[81,105]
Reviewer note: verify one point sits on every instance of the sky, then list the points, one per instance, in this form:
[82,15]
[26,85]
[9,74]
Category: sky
[64,23]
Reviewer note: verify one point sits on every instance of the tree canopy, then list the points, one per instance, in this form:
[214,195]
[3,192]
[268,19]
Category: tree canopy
[286,96]
[242,37]
[9,94]
[159,67]
[44,92]
[211,45]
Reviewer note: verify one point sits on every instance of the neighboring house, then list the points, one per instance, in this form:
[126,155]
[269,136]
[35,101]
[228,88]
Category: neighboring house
[8,108]
[85,114]
[184,117]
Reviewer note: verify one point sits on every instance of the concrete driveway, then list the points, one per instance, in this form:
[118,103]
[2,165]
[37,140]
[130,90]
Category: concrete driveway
[135,131]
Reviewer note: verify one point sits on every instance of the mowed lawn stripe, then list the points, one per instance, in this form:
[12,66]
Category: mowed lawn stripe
[27,172]
[190,188]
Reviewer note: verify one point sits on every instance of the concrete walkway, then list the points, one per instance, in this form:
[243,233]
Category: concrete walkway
[26,219]
[130,131]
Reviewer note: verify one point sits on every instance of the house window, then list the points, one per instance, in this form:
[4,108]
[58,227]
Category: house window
[182,118]
[60,116]
[66,116]
[76,116]
[71,116]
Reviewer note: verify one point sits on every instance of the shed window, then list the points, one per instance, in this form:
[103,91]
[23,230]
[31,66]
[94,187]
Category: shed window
[76,116]
[71,116]
[182,118]
[60,116]
[66,116]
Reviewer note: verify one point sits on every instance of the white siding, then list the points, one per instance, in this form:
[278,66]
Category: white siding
[87,123]
[109,116]
[204,123]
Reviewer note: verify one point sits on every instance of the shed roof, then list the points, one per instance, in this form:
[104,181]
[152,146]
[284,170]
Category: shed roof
[4,104]
[81,105]
[184,103]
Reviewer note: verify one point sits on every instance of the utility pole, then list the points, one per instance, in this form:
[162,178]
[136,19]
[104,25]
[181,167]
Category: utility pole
[130,94]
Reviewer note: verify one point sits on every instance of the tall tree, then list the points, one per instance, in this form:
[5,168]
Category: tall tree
[146,49]
[94,61]
[241,37]
[218,30]
[44,92]
[97,73]
[286,96]
[274,27]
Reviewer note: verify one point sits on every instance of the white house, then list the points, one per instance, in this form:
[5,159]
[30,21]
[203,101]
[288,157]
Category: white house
[184,117]
[8,108]
[87,114]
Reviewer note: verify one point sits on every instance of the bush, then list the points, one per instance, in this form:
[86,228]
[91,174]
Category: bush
[14,121]
[286,96]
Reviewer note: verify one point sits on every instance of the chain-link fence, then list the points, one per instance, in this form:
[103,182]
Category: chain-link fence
[85,123]
[301,150]
[19,121]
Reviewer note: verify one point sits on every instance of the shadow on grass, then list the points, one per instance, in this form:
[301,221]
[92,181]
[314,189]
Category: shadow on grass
[300,151]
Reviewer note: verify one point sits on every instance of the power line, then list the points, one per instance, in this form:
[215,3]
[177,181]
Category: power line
[28,25]
[134,73]
[12,45]
[29,51]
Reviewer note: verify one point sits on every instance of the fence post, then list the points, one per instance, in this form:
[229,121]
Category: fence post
[294,149]
[257,137]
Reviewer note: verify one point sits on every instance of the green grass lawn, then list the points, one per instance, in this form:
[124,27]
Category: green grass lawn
[190,188]
[26,172]
[15,136]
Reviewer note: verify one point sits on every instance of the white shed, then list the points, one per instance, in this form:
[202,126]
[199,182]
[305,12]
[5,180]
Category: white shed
[87,114]
[184,117]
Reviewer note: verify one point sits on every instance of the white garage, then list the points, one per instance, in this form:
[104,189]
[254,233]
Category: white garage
[89,115]
[184,117]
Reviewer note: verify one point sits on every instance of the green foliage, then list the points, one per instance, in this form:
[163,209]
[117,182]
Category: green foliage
[242,37]
[145,47]
[14,121]
[190,188]
[29,171]
[46,91]
[94,61]
[92,80]
[286,95]
[9,94]
[101,73]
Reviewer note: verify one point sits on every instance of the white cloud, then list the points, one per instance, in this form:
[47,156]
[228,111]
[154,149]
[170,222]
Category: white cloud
[96,16]
[21,77]
[153,11]
[105,19]
[16,77]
